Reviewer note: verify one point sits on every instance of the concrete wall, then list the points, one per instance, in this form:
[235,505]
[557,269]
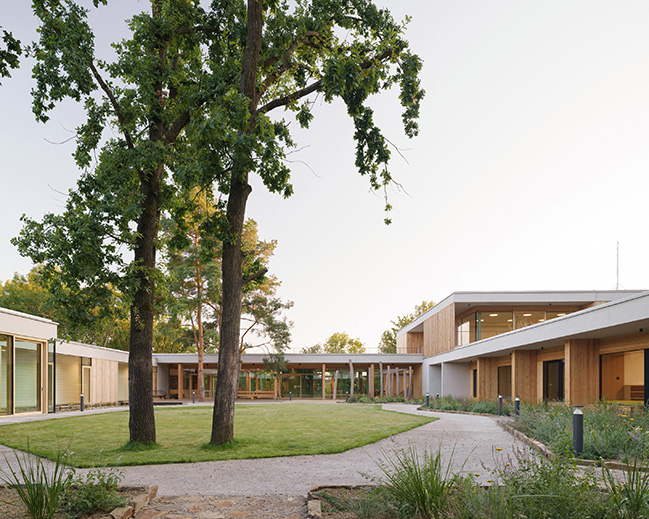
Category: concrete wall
[456,379]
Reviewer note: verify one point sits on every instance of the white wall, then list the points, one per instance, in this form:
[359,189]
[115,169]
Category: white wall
[456,379]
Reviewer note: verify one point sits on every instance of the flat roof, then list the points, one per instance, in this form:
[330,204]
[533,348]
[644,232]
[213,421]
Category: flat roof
[298,358]
[26,316]
[464,300]
[620,317]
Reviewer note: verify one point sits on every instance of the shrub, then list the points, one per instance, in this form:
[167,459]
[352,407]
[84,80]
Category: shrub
[96,491]
[611,431]
[40,489]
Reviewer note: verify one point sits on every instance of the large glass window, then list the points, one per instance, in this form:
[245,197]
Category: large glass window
[622,376]
[6,375]
[27,357]
[466,331]
[527,318]
[491,324]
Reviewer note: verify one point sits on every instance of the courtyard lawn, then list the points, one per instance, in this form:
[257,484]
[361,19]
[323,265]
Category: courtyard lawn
[183,433]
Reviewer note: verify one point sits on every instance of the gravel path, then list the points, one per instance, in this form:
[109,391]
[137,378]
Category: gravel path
[473,440]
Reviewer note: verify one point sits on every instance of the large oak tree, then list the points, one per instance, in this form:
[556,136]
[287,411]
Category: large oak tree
[191,99]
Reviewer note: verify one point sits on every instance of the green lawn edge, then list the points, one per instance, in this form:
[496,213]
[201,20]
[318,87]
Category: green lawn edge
[261,431]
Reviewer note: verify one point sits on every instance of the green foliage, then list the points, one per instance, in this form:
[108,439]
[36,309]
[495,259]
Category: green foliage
[338,342]
[470,405]
[362,399]
[104,326]
[10,50]
[41,489]
[533,487]
[419,485]
[629,496]
[95,491]
[388,343]
[611,431]
[364,503]
[172,98]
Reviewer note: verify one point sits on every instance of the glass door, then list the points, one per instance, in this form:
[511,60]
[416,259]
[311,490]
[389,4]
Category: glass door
[553,380]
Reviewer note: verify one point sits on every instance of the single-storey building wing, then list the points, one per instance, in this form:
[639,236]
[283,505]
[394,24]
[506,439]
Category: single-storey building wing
[576,347]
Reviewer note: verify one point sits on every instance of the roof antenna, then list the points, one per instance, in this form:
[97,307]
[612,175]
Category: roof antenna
[617,267]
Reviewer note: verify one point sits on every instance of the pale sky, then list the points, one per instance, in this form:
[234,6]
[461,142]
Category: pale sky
[530,165]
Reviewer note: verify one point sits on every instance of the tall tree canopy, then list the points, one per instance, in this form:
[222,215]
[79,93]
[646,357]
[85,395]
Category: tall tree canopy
[388,342]
[194,282]
[189,98]
[338,342]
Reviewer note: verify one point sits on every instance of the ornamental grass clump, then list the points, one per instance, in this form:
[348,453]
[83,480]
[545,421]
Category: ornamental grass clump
[418,485]
[629,497]
[41,489]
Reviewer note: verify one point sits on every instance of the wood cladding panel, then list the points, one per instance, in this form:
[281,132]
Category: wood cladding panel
[414,342]
[581,383]
[487,378]
[634,341]
[524,375]
[104,382]
[439,332]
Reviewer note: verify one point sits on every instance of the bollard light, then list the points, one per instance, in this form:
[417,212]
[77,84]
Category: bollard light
[517,406]
[193,397]
[81,406]
[290,396]
[500,405]
[577,430]
[346,396]
[437,396]
[427,400]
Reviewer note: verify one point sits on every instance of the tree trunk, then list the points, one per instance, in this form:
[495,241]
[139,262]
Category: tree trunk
[227,380]
[229,353]
[140,361]
[199,321]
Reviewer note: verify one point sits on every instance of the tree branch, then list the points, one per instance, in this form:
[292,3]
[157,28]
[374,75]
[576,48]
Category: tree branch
[283,101]
[256,275]
[174,130]
[113,101]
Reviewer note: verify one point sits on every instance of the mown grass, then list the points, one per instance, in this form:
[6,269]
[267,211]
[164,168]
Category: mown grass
[261,431]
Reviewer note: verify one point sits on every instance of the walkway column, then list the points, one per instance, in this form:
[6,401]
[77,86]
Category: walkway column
[487,378]
[380,380]
[524,375]
[324,371]
[370,382]
[351,376]
[335,385]
[180,381]
[581,376]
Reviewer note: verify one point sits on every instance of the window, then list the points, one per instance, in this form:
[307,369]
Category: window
[622,376]
[6,375]
[27,381]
